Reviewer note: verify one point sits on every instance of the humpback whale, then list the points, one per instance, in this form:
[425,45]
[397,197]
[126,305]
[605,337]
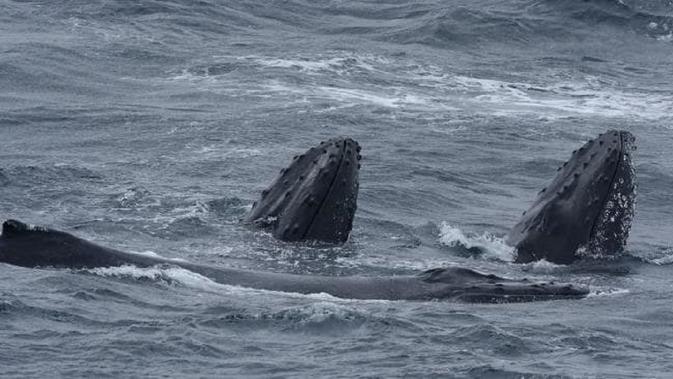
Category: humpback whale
[30,246]
[586,210]
[315,198]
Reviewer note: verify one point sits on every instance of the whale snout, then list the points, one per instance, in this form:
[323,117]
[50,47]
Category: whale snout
[587,208]
[315,197]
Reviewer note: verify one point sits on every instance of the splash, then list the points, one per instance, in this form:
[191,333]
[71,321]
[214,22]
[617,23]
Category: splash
[167,275]
[665,259]
[542,266]
[601,292]
[486,243]
[152,254]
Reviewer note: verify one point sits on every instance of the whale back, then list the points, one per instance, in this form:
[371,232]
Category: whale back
[315,198]
[586,210]
[26,245]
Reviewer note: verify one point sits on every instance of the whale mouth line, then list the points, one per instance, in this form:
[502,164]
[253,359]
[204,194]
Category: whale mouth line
[315,197]
[330,188]
[587,209]
[606,197]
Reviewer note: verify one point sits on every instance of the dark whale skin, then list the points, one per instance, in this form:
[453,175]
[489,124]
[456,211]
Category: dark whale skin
[586,210]
[315,197]
[37,247]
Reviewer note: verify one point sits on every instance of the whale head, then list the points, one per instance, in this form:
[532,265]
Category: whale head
[315,198]
[586,210]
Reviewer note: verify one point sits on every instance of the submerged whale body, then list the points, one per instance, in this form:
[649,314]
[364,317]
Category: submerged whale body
[586,210]
[315,198]
[29,246]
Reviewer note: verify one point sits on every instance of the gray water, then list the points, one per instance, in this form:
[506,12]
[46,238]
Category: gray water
[152,126]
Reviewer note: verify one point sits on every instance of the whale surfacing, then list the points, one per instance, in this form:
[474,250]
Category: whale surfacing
[586,210]
[27,246]
[315,198]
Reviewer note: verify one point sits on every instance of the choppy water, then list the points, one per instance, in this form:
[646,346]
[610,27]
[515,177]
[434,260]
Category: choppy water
[151,126]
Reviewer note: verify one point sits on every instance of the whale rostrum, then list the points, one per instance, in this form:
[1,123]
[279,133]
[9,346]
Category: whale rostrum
[587,209]
[315,198]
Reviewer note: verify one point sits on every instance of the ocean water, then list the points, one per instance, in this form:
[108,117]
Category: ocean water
[151,126]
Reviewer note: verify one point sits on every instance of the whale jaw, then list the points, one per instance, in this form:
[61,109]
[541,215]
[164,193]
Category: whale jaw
[315,198]
[586,210]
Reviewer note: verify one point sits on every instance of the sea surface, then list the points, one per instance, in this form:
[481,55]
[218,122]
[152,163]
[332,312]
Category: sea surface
[151,126]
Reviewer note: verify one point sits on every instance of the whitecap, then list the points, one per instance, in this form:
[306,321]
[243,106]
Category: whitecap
[173,276]
[487,243]
[600,292]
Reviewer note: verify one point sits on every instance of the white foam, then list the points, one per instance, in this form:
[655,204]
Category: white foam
[223,151]
[590,96]
[195,210]
[146,253]
[607,292]
[349,97]
[167,275]
[302,64]
[152,254]
[542,266]
[434,89]
[396,99]
[665,38]
[341,64]
[488,243]
[666,259]
[180,276]
[372,260]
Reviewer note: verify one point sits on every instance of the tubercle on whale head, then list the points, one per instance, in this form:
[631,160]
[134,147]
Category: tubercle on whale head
[315,197]
[586,210]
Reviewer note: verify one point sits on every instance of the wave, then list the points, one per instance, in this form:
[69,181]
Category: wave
[151,40]
[525,22]
[473,244]
[427,22]
[166,275]
[349,80]
[650,17]
[34,175]
[171,276]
